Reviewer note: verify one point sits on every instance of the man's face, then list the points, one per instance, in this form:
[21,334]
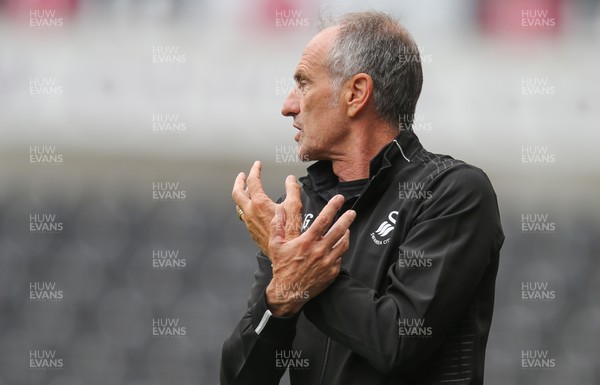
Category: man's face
[316,111]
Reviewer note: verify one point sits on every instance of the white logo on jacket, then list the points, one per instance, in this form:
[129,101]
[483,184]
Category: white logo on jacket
[306,222]
[384,229]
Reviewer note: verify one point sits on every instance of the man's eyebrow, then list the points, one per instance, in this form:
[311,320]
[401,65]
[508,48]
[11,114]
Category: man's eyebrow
[299,75]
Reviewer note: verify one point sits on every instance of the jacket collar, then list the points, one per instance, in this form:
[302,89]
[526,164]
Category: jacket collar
[321,177]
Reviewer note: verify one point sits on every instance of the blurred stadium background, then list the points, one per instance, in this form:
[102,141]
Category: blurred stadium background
[102,100]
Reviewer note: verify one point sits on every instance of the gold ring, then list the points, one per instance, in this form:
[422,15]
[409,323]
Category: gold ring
[240,214]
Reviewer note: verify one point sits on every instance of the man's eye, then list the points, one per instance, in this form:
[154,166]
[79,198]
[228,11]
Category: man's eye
[301,84]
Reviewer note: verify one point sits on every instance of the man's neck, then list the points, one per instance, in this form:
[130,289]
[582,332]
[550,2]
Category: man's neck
[363,147]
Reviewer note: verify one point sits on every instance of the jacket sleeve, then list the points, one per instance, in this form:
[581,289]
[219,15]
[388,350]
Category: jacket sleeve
[248,355]
[458,227]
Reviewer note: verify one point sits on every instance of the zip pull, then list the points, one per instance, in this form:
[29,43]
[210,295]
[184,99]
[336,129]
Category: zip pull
[402,152]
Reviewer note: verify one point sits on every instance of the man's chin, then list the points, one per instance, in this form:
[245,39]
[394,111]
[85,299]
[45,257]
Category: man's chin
[303,154]
[304,157]
[310,157]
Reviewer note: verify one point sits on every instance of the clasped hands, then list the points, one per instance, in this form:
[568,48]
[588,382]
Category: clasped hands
[304,264]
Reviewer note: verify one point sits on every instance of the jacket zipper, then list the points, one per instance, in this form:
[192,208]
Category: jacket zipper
[328,343]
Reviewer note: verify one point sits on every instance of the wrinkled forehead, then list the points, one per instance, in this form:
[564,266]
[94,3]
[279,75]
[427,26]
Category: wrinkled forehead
[324,39]
[317,50]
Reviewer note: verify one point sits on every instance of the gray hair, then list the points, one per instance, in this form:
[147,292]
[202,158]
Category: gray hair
[376,44]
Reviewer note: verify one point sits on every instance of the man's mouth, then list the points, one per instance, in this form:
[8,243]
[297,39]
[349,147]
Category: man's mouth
[300,131]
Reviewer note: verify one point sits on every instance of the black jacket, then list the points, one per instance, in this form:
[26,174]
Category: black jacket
[413,303]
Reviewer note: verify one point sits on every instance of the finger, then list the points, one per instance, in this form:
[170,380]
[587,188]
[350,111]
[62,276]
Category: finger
[277,225]
[340,241]
[239,195]
[292,189]
[320,225]
[340,247]
[293,207]
[253,181]
[339,228]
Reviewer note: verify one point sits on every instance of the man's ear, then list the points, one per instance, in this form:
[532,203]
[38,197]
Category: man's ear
[359,90]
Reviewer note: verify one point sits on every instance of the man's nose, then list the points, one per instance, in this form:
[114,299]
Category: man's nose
[291,105]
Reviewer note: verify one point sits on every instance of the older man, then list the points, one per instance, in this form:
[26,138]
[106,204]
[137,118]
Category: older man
[380,268]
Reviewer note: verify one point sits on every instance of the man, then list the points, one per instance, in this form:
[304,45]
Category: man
[380,268]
